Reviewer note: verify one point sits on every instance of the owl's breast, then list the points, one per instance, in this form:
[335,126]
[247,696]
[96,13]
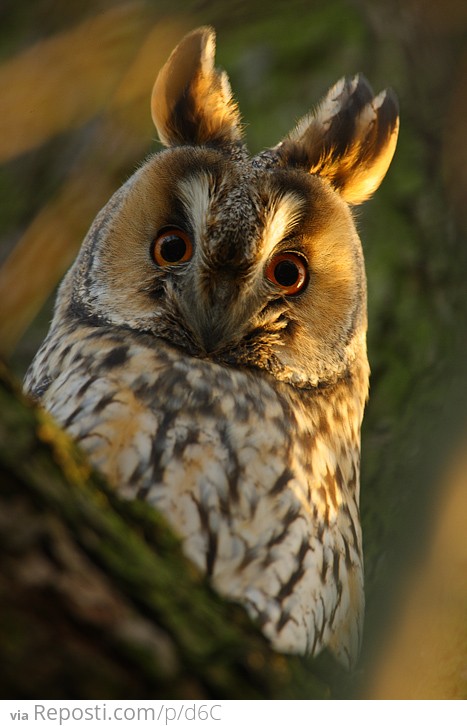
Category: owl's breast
[248,479]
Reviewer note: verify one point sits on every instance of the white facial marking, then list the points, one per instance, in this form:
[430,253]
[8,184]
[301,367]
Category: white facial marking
[195,195]
[283,216]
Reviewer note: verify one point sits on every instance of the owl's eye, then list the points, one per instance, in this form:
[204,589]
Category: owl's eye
[288,271]
[171,247]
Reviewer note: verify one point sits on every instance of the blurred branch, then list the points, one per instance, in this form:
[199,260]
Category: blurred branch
[63,81]
[429,637]
[119,140]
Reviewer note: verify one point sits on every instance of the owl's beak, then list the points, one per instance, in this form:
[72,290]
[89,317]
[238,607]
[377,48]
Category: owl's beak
[211,333]
[212,339]
[214,318]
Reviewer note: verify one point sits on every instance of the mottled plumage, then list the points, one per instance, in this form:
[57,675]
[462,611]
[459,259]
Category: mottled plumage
[208,346]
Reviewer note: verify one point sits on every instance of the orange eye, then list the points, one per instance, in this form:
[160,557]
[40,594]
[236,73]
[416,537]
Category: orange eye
[171,247]
[288,271]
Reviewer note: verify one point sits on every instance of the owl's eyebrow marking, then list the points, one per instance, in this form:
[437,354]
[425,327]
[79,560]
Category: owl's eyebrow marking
[281,217]
[195,194]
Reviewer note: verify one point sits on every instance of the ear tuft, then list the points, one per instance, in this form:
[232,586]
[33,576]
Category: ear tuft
[191,100]
[349,139]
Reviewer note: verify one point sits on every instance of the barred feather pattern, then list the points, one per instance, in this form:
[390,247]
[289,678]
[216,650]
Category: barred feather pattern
[208,346]
[268,511]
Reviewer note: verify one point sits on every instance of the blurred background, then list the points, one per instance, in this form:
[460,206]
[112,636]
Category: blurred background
[75,85]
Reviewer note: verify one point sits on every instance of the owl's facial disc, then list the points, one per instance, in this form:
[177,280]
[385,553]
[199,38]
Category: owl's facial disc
[225,305]
[248,267]
[233,253]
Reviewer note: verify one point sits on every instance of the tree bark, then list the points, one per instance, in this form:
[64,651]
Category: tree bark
[97,599]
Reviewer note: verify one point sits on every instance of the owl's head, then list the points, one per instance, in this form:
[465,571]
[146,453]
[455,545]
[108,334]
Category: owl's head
[246,261]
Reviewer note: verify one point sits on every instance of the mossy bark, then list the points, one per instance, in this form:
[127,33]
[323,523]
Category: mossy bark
[97,599]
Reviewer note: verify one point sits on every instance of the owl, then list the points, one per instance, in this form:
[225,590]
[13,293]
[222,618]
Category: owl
[208,345]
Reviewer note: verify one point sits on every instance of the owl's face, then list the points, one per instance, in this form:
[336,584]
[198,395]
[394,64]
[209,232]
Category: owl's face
[248,266]
[248,262]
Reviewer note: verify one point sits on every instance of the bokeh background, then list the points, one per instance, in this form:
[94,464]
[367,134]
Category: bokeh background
[75,84]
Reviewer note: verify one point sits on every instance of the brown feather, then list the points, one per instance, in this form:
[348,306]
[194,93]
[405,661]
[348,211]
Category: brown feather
[191,100]
[349,140]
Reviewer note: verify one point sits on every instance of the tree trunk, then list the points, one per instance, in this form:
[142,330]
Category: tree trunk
[97,600]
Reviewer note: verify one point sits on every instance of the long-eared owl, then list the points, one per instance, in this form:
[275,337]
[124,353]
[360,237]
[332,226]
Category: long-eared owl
[208,347]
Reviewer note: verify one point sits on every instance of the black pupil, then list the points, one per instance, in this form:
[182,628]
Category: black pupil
[286,273]
[172,248]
